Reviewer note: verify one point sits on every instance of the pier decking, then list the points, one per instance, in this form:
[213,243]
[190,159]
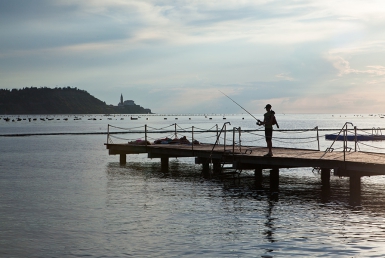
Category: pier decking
[216,158]
[349,164]
[356,163]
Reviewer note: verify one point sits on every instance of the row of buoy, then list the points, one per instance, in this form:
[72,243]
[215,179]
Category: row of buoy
[79,118]
[210,118]
[7,119]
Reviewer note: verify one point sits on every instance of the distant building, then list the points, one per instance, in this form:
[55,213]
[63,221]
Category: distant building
[126,102]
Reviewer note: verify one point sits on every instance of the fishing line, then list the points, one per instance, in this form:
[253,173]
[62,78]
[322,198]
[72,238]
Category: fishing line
[239,105]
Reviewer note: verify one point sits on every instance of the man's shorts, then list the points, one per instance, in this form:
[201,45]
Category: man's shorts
[268,133]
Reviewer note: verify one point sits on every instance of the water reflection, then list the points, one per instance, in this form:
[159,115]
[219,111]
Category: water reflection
[269,231]
[171,209]
[292,187]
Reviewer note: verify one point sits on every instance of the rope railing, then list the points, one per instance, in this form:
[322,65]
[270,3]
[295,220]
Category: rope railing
[371,146]
[129,128]
[246,137]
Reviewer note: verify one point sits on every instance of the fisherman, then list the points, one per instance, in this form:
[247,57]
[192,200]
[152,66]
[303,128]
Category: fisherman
[268,121]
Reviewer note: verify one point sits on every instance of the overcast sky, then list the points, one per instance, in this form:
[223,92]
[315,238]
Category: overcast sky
[173,56]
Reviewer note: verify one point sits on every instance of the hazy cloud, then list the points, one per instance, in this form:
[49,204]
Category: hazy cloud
[295,54]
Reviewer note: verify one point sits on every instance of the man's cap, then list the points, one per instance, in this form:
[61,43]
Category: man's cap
[268,105]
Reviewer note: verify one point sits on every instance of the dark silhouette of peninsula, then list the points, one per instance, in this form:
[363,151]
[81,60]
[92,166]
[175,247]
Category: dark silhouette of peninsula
[65,100]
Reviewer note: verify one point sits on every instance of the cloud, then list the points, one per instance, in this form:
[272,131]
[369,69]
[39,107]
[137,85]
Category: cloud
[283,52]
[343,66]
[284,76]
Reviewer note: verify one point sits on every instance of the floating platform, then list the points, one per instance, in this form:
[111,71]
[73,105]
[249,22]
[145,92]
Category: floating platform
[352,137]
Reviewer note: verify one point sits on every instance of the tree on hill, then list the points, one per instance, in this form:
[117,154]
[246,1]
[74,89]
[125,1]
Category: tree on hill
[65,100]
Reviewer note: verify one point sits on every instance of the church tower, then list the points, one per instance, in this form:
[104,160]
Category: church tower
[121,99]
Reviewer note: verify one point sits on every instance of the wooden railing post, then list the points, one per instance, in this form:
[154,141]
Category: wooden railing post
[317,137]
[217,130]
[224,138]
[108,132]
[355,139]
[145,133]
[345,143]
[192,138]
[233,139]
[239,140]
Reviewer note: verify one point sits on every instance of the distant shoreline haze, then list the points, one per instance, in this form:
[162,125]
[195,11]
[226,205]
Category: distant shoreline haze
[65,100]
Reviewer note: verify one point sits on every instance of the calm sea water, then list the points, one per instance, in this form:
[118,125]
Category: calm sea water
[64,196]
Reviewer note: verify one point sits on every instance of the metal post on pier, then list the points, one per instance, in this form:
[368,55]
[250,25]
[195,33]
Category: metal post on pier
[239,139]
[217,130]
[108,132]
[234,139]
[224,138]
[145,133]
[192,138]
[317,137]
[176,136]
[345,140]
[355,138]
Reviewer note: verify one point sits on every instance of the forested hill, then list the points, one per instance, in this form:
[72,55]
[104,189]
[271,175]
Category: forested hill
[58,101]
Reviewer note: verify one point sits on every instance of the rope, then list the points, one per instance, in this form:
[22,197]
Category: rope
[372,146]
[204,129]
[160,128]
[283,138]
[121,138]
[122,128]
[210,135]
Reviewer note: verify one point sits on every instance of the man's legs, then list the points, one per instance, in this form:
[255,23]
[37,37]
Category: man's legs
[269,145]
[269,135]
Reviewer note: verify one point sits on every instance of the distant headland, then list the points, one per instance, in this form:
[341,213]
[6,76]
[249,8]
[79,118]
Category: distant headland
[65,100]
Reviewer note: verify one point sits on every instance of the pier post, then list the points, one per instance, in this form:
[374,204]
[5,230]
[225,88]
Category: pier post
[216,167]
[122,159]
[206,169]
[355,188]
[325,177]
[258,178]
[274,179]
[164,164]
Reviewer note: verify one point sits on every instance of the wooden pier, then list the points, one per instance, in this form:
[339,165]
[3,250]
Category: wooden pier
[213,157]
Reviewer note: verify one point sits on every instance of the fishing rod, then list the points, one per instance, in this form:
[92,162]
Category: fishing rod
[240,106]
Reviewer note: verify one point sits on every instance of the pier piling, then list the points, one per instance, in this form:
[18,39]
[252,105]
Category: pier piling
[206,169]
[274,179]
[355,188]
[258,178]
[164,164]
[325,177]
[216,167]
[123,159]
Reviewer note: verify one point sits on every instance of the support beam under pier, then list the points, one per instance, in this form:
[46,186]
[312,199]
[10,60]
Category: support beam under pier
[206,169]
[274,179]
[325,177]
[355,189]
[164,164]
[217,167]
[122,159]
[258,177]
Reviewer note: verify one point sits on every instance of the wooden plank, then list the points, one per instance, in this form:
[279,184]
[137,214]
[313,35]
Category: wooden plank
[363,163]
